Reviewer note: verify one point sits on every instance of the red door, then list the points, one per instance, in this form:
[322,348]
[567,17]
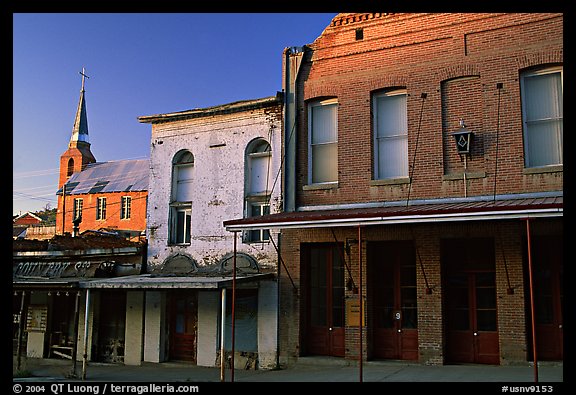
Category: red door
[392,279]
[183,324]
[547,256]
[325,300]
[470,301]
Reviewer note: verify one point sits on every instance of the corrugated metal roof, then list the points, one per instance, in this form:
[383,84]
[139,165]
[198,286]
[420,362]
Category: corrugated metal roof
[114,176]
[429,212]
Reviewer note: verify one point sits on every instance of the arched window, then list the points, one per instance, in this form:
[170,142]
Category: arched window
[182,169]
[181,205]
[259,180]
[259,167]
[70,169]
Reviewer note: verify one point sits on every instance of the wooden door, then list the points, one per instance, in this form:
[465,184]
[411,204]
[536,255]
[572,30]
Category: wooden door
[392,279]
[325,333]
[470,301]
[183,326]
[547,257]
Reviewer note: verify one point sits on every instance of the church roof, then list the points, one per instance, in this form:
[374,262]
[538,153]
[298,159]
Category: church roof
[80,128]
[105,177]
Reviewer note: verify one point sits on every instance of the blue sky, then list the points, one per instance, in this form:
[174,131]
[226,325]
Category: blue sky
[138,64]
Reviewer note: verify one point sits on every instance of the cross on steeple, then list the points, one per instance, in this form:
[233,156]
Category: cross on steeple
[83,74]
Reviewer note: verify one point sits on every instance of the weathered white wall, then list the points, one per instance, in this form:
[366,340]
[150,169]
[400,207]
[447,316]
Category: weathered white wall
[218,183]
[134,336]
[218,144]
[208,308]
[154,337]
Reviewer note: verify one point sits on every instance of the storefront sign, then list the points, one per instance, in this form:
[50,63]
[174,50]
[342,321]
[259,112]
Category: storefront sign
[53,269]
[36,319]
[353,311]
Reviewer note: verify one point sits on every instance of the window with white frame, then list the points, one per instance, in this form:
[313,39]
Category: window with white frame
[182,176]
[323,142]
[181,201]
[390,134]
[258,167]
[78,205]
[101,208]
[126,209]
[181,222]
[257,209]
[542,116]
[258,186]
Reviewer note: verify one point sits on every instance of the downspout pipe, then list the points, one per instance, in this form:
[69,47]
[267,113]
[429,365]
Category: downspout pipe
[292,60]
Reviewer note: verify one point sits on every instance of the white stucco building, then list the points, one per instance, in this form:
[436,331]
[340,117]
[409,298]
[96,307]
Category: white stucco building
[206,166]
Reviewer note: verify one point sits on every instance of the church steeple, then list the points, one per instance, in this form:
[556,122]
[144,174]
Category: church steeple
[78,154]
[80,129]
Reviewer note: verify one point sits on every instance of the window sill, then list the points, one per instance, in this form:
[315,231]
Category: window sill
[390,181]
[257,242]
[460,176]
[544,169]
[320,186]
[179,244]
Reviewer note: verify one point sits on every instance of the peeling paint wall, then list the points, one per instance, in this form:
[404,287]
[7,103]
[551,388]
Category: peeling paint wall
[218,144]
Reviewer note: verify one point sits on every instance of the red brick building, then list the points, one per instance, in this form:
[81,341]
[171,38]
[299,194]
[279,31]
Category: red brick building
[110,196]
[451,230]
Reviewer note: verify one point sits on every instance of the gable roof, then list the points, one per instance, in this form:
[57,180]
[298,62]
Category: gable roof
[27,214]
[114,176]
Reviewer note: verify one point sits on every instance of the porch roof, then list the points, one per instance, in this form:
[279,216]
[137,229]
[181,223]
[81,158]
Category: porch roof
[481,208]
[150,281]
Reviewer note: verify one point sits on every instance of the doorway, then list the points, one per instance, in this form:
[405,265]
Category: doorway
[183,326]
[470,301]
[324,280]
[392,289]
[547,258]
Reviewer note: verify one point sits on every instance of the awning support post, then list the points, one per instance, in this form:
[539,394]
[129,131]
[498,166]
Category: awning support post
[233,305]
[76,324]
[532,310]
[85,354]
[20,331]
[223,337]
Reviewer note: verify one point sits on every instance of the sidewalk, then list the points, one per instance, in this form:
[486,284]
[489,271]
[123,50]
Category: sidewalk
[306,370]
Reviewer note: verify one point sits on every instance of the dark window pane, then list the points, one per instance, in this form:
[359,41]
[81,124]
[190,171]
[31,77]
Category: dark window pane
[338,316]
[486,298]
[408,276]
[409,318]
[486,320]
[459,319]
[408,297]
[485,279]
[383,317]
[318,315]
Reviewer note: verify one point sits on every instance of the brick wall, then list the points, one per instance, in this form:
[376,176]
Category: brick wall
[433,54]
[136,222]
[509,241]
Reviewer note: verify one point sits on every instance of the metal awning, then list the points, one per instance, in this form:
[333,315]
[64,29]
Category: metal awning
[149,281]
[395,213]
[46,283]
